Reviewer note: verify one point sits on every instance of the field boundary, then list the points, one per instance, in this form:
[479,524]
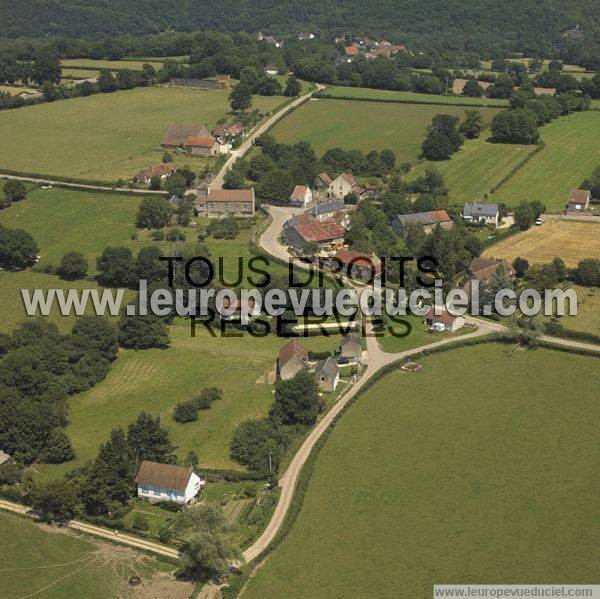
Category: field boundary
[323,95]
[515,169]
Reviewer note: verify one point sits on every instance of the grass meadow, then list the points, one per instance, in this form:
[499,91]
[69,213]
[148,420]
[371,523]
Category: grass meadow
[91,63]
[364,126]
[390,95]
[566,160]
[107,136]
[45,562]
[467,470]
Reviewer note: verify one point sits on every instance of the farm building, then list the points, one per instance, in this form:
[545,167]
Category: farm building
[484,269]
[323,233]
[177,135]
[322,183]
[481,213]
[426,220]
[162,170]
[449,322]
[357,265]
[165,482]
[341,186]
[326,210]
[271,69]
[350,348]
[579,200]
[243,311]
[327,374]
[228,132]
[306,35]
[301,196]
[216,203]
[205,146]
[292,358]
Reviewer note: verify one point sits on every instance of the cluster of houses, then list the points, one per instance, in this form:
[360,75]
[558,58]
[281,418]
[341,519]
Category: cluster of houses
[371,49]
[293,357]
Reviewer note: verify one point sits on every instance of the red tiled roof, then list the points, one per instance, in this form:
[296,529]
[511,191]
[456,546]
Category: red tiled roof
[321,230]
[221,130]
[299,192]
[351,50]
[200,142]
[439,216]
[161,169]
[325,178]
[579,196]
[358,259]
[444,317]
[484,269]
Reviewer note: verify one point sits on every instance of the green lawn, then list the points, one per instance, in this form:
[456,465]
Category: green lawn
[79,73]
[479,468]
[383,94]
[476,168]
[364,125]
[570,155]
[37,560]
[107,136]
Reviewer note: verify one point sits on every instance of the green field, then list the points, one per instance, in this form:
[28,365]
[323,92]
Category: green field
[79,73]
[44,562]
[477,468]
[107,136]
[389,95]
[571,154]
[155,380]
[562,165]
[90,63]
[364,126]
[476,168]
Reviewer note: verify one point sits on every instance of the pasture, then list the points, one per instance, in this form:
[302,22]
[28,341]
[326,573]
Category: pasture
[395,96]
[466,470]
[570,240]
[107,136]
[364,126]
[476,168]
[47,562]
[567,159]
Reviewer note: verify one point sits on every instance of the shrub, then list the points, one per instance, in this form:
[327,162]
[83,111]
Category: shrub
[157,235]
[185,411]
[175,234]
[140,522]
[164,534]
[72,265]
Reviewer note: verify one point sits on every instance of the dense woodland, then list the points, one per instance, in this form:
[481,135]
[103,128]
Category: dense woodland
[511,25]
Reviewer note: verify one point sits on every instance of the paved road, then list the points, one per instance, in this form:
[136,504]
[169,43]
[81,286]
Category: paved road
[78,185]
[123,539]
[217,182]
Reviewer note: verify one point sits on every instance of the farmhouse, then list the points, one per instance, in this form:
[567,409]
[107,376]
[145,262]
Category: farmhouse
[271,69]
[300,219]
[162,170]
[322,183]
[165,482]
[292,358]
[243,311]
[327,374]
[351,51]
[205,146]
[269,39]
[426,220]
[324,233]
[301,196]
[341,186]
[579,200]
[484,269]
[350,348]
[326,210]
[216,203]
[481,213]
[228,132]
[357,264]
[306,35]
[177,135]
[449,322]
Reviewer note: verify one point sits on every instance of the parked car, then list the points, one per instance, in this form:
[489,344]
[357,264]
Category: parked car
[539,221]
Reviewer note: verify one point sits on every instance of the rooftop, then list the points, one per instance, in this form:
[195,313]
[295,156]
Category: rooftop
[321,231]
[291,349]
[164,476]
[476,209]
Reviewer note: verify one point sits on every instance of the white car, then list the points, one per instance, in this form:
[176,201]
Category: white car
[539,221]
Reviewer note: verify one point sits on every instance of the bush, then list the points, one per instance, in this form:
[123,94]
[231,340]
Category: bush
[185,411]
[175,234]
[157,235]
[226,228]
[140,522]
[201,403]
[153,213]
[170,506]
[164,534]
[72,265]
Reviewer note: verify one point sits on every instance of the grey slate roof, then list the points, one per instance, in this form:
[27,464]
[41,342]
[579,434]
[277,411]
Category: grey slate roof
[327,368]
[175,201]
[476,209]
[326,207]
